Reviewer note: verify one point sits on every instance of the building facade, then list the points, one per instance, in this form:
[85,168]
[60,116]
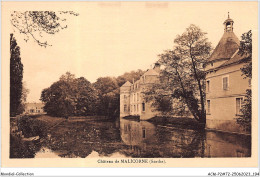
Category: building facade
[132,102]
[34,108]
[225,85]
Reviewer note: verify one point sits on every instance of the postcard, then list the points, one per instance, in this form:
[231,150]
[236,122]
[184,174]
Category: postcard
[130,84]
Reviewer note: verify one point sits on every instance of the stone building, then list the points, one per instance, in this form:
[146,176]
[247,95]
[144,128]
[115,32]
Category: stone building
[225,85]
[132,102]
[34,108]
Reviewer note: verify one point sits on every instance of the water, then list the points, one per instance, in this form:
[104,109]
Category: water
[126,139]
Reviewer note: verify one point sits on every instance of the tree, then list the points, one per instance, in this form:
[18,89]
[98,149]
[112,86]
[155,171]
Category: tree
[69,96]
[245,50]
[183,77]
[86,97]
[16,77]
[35,24]
[129,76]
[108,96]
[25,92]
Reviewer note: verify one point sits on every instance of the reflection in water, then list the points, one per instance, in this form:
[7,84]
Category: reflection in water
[127,138]
[46,153]
[147,140]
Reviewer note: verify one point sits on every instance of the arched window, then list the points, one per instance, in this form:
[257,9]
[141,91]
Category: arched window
[228,26]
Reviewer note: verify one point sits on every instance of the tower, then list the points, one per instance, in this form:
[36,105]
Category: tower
[228,24]
[225,85]
[125,99]
[226,48]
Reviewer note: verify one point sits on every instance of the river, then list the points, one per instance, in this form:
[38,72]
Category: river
[127,138]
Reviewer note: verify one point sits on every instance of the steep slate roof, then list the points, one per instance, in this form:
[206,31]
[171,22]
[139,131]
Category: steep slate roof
[236,58]
[127,84]
[151,72]
[227,46]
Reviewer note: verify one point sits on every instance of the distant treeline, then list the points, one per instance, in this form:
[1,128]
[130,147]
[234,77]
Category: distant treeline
[71,96]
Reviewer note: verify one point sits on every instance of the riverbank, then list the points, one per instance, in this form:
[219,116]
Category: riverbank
[28,133]
[179,122]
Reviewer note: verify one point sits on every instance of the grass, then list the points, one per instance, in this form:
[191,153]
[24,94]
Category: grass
[50,121]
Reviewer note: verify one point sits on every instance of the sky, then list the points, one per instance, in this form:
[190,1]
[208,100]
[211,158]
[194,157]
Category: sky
[111,38]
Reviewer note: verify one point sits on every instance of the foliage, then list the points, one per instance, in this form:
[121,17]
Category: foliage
[77,96]
[16,77]
[25,92]
[129,76]
[246,117]
[108,96]
[69,96]
[108,88]
[182,78]
[23,149]
[36,23]
[31,127]
[245,49]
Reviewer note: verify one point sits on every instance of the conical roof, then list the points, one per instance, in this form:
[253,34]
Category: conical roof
[227,46]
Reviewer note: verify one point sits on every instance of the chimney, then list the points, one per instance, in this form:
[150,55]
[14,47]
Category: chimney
[157,67]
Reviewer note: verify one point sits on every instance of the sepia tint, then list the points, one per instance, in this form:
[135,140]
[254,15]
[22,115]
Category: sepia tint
[103,82]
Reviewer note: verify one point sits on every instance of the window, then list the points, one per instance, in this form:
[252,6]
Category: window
[143,107]
[125,97]
[144,132]
[228,26]
[134,97]
[225,83]
[134,108]
[238,105]
[208,106]
[249,82]
[211,64]
[125,108]
[208,86]
[137,96]
[137,106]
[131,108]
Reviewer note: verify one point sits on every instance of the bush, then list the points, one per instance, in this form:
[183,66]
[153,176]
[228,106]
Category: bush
[245,120]
[31,127]
[22,149]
